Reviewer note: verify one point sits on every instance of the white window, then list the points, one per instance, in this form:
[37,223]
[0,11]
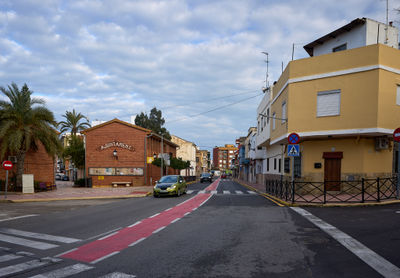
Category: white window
[273,121]
[220,161]
[328,103]
[398,95]
[284,112]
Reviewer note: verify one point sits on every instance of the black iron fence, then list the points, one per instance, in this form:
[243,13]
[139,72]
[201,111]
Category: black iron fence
[361,191]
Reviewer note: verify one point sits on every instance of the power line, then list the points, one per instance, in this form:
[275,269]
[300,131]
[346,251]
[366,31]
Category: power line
[196,102]
[214,109]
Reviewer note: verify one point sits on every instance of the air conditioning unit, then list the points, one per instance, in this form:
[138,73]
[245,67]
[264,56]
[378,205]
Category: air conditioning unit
[13,159]
[381,143]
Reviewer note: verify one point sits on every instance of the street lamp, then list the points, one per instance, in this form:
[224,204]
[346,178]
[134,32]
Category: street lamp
[115,154]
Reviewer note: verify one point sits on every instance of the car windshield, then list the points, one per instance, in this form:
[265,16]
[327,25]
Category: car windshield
[205,175]
[169,179]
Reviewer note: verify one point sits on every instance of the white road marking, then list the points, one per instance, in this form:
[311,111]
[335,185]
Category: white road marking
[6,258]
[154,215]
[239,192]
[27,242]
[104,233]
[59,255]
[65,272]
[107,236]
[39,236]
[105,257]
[12,269]
[380,264]
[159,229]
[251,192]
[189,192]
[173,221]
[202,191]
[227,192]
[214,192]
[18,217]
[118,275]
[187,213]
[137,241]
[134,224]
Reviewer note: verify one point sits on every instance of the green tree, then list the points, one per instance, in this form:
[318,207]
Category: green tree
[24,123]
[154,122]
[75,151]
[74,122]
[175,163]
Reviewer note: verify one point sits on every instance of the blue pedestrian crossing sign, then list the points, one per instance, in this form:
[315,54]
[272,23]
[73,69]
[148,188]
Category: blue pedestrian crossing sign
[293,150]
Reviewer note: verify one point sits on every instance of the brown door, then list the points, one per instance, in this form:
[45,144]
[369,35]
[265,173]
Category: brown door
[332,171]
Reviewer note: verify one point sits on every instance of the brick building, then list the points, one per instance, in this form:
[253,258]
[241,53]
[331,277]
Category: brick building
[117,152]
[222,157]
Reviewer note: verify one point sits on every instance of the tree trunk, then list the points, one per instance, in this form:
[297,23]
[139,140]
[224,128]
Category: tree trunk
[20,168]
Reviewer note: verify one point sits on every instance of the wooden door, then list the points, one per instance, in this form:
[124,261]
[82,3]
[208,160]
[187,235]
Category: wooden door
[332,170]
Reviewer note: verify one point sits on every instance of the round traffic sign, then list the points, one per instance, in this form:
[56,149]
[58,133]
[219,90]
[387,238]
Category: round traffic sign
[396,135]
[7,165]
[293,138]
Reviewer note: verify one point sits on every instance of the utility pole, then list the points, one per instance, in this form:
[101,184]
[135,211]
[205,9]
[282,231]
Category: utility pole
[162,155]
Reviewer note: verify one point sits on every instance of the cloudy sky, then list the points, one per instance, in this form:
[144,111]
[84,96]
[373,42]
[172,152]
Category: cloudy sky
[113,59]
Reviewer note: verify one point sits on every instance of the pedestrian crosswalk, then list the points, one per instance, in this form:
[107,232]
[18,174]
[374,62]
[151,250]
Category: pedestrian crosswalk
[223,192]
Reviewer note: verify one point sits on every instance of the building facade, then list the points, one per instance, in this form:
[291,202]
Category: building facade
[187,151]
[223,156]
[344,102]
[119,153]
[202,162]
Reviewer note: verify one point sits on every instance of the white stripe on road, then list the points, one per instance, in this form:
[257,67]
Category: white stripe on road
[134,224]
[137,241]
[239,192]
[39,236]
[110,235]
[176,219]
[227,192]
[189,192]
[12,269]
[251,192]
[380,264]
[18,217]
[105,257]
[202,191]
[27,242]
[6,258]
[118,275]
[159,229]
[65,272]
[214,192]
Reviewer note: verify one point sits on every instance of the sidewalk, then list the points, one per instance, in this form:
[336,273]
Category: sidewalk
[78,193]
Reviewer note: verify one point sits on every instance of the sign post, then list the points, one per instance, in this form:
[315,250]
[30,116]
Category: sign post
[293,148]
[7,165]
[396,138]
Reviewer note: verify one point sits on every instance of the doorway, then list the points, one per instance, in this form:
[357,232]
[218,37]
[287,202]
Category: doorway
[332,170]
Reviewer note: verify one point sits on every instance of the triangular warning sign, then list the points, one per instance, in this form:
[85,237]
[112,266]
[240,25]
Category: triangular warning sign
[293,151]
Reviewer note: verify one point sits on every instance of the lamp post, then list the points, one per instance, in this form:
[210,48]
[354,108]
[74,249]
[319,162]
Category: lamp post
[115,154]
[266,77]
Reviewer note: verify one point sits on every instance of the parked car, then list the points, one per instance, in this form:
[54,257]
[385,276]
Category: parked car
[170,185]
[65,178]
[223,176]
[58,177]
[205,177]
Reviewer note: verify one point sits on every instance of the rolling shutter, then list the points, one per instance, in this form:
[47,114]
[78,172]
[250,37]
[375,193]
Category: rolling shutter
[328,103]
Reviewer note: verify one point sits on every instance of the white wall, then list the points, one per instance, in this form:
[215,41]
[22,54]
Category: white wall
[273,152]
[263,132]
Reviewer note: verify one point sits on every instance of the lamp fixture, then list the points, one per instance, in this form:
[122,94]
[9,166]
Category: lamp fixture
[115,154]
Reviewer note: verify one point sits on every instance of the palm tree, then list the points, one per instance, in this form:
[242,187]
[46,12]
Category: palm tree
[24,123]
[72,122]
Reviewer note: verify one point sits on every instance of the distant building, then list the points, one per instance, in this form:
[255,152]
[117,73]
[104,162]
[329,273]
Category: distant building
[223,156]
[202,162]
[186,151]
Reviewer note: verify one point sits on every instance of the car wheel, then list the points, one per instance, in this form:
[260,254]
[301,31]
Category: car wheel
[179,192]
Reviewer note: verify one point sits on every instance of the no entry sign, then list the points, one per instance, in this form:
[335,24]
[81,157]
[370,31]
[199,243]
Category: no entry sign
[7,165]
[396,135]
[293,138]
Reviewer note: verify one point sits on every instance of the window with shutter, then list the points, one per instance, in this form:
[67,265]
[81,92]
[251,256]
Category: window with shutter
[398,95]
[283,112]
[328,103]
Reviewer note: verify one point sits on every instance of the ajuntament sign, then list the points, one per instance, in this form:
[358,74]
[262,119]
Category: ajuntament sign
[116,144]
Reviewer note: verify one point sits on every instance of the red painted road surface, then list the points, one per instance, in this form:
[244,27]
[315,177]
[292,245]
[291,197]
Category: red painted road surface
[114,243]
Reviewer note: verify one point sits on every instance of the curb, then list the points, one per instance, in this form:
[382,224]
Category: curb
[273,199]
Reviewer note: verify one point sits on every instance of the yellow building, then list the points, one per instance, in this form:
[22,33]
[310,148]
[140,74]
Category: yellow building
[344,104]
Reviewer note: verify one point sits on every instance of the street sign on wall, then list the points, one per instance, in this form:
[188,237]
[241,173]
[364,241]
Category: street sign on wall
[293,138]
[396,135]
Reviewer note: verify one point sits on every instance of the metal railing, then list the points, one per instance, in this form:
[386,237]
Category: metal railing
[361,191]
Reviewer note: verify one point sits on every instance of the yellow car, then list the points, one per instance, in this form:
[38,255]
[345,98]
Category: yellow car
[170,185]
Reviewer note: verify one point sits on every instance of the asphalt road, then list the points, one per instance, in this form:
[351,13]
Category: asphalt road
[210,232]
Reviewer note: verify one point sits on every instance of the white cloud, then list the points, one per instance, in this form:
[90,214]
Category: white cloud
[111,59]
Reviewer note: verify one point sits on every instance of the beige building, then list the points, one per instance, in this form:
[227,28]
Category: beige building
[202,162]
[344,102]
[187,152]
